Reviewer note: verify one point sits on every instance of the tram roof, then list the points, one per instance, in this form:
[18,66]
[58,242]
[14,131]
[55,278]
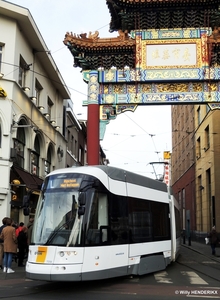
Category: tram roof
[127,176]
[117,174]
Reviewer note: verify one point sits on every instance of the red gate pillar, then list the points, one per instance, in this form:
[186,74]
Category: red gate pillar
[93,120]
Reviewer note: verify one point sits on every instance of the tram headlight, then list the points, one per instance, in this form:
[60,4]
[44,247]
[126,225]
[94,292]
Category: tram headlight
[62,253]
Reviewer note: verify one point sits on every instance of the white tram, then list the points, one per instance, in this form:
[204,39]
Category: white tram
[98,222]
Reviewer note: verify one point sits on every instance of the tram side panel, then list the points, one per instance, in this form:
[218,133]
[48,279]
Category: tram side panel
[152,255]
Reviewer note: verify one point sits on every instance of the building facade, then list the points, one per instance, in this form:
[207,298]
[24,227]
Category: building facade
[207,150]
[37,133]
[195,167]
[183,164]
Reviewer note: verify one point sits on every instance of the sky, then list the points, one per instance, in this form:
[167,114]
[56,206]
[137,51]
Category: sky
[134,140]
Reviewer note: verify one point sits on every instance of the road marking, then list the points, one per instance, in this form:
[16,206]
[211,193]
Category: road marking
[162,277]
[193,277]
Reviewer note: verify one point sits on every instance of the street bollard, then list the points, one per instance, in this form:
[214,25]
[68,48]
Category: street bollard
[189,241]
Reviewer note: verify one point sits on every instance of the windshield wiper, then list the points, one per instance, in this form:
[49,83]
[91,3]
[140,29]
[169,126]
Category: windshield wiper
[55,232]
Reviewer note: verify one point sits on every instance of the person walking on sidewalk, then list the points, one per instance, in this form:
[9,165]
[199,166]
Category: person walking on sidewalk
[213,239]
[2,242]
[8,235]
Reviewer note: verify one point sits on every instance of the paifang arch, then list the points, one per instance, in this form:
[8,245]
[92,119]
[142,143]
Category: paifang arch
[156,67]
[146,63]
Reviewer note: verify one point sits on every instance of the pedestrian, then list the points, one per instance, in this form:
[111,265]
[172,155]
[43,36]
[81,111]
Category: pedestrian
[10,245]
[213,239]
[22,246]
[19,228]
[30,228]
[2,242]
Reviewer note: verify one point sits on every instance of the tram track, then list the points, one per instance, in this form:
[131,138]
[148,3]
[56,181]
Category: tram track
[200,262]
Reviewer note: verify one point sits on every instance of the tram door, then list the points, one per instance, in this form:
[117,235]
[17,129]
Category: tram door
[101,259]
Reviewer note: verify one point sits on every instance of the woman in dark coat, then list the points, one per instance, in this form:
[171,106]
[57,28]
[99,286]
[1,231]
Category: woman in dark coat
[10,245]
[22,245]
[214,240]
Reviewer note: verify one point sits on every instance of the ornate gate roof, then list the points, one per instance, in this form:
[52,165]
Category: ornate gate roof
[157,14]
[91,52]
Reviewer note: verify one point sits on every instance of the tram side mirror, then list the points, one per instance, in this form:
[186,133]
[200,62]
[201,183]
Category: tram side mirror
[82,198]
[81,210]
[82,202]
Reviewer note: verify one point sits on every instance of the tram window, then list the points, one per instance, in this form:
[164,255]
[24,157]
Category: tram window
[161,222]
[118,220]
[97,232]
[140,221]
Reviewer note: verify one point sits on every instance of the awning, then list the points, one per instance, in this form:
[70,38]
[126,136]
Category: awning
[31,181]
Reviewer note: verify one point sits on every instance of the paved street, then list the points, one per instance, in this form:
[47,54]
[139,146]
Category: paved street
[196,271]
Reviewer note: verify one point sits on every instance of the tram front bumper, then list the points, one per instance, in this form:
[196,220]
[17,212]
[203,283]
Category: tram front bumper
[49,272]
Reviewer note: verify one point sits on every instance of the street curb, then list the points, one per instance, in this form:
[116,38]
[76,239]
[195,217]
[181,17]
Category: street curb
[202,253]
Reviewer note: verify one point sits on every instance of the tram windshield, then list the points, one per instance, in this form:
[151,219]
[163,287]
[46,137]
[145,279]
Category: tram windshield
[57,221]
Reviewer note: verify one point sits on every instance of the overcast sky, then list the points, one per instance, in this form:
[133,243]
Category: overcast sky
[134,140]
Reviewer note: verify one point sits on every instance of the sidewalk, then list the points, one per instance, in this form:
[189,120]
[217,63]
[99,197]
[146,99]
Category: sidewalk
[18,274]
[204,249]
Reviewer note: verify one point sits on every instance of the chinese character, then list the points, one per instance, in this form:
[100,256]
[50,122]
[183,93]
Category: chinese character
[166,54]
[186,54]
[176,53]
[155,54]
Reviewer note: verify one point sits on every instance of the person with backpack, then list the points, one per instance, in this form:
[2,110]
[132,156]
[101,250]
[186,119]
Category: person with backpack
[19,228]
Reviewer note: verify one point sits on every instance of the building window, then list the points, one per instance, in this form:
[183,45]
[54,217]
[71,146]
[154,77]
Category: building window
[68,140]
[199,115]
[198,148]
[81,157]
[72,144]
[207,138]
[19,145]
[23,68]
[49,107]
[35,157]
[38,89]
[0,57]
[184,198]
[75,148]
[47,164]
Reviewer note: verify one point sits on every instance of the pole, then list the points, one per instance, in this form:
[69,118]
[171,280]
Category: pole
[93,120]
